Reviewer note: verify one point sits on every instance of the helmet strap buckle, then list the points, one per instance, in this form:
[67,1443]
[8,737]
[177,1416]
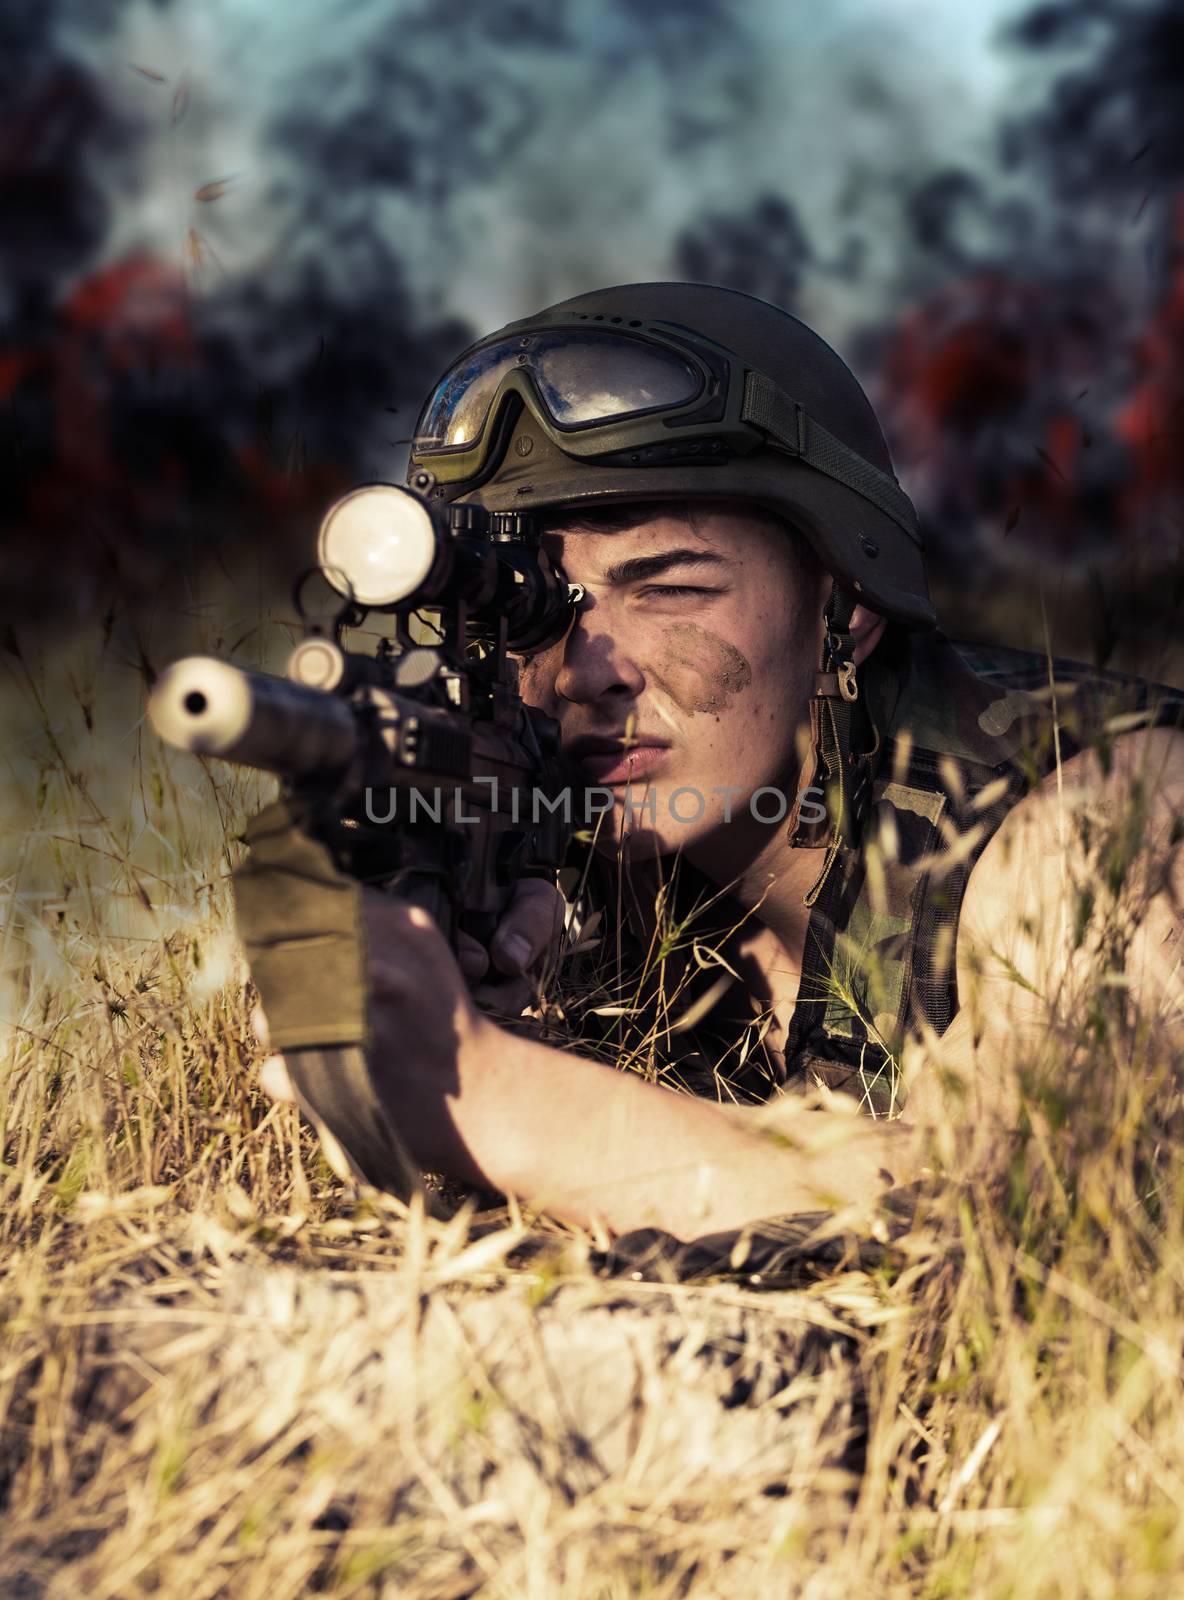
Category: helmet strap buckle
[835,765]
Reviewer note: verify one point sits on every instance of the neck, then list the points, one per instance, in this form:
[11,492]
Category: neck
[763,899]
[772,888]
[766,893]
[762,875]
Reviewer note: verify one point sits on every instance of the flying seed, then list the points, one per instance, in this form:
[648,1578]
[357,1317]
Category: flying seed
[1050,463]
[215,189]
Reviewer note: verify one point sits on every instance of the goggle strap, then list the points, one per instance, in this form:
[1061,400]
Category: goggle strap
[791,428]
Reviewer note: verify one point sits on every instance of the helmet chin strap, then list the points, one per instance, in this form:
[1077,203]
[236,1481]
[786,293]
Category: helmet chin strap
[836,766]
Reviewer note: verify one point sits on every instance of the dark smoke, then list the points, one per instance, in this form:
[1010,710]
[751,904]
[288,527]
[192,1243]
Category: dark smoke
[144,433]
[1031,389]
[1027,369]
[765,252]
[1114,124]
[145,429]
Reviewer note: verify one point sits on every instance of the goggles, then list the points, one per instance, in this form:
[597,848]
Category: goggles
[647,394]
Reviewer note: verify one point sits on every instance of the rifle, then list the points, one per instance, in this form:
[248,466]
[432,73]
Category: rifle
[417,770]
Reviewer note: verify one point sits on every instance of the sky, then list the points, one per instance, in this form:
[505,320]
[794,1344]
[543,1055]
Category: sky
[630,137]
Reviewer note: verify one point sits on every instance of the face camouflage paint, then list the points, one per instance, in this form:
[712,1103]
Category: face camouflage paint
[699,670]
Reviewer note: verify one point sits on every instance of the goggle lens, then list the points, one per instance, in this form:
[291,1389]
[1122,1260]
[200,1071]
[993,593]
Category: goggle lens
[582,379]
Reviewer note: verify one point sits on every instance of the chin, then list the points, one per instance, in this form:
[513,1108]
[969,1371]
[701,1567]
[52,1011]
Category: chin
[646,844]
[642,843]
[712,842]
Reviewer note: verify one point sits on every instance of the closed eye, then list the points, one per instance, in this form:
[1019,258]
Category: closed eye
[667,590]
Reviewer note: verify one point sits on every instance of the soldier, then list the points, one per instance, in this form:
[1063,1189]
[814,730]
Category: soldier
[757,632]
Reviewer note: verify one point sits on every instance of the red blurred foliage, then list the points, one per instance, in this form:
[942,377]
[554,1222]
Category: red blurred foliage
[956,359]
[138,307]
[1151,421]
[983,381]
[14,364]
[130,456]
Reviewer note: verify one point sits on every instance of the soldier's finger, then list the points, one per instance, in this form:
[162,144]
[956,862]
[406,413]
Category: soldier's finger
[509,998]
[471,957]
[259,1026]
[532,923]
[275,1082]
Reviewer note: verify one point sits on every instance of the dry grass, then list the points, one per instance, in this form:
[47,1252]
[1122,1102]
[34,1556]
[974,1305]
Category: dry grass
[222,1375]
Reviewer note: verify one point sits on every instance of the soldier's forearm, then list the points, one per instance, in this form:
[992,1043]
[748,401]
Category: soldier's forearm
[586,1142]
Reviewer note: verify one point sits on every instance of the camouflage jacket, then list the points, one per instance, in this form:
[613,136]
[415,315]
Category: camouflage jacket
[966,732]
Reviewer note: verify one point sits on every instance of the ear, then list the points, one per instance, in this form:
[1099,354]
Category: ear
[866,628]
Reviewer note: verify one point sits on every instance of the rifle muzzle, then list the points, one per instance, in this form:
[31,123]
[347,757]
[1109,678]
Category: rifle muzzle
[212,708]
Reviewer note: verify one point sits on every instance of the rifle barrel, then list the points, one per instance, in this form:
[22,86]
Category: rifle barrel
[211,708]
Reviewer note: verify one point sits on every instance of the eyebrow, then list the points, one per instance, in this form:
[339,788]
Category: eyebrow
[639,567]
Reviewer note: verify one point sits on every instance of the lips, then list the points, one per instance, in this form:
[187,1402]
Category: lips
[614,759]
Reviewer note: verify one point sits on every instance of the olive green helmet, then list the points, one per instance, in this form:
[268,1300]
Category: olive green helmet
[654,391]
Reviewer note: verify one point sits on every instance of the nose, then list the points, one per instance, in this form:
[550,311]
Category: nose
[595,664]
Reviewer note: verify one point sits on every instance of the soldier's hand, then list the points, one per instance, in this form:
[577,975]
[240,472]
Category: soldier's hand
[504,978]
[428,1048]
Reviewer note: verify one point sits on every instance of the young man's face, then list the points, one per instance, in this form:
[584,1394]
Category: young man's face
[688,668]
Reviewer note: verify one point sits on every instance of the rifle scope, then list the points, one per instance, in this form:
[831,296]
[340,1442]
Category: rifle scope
[388,548]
